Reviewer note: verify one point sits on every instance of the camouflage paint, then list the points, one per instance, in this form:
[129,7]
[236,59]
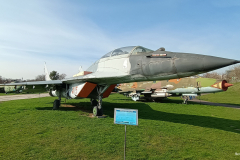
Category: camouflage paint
[176,87]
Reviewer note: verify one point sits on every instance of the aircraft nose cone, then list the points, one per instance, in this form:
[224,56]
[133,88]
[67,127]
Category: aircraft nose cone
[211,63]
[196,63]
[226,85]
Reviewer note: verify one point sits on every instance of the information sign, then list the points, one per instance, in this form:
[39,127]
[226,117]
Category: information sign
[126,116]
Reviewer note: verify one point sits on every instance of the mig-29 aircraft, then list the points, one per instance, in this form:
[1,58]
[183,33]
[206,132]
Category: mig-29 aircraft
[128,64]
[185,87]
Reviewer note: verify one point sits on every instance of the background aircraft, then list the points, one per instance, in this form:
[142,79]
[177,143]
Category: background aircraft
[13,89]
[127,64]
[186,87]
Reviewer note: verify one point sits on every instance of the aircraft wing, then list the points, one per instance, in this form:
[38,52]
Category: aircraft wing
[97,78]
[33,83]
[101,78]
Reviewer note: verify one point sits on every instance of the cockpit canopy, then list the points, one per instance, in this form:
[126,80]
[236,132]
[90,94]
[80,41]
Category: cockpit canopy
[127,50]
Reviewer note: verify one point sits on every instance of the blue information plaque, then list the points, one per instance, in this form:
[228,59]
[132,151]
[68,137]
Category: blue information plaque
[126,116]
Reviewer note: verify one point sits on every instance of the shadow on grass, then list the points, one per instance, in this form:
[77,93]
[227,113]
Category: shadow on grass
[229,105]
[82,106]
[146,112]
[237,105]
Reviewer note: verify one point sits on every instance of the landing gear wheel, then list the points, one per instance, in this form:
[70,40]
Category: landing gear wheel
[95,111]
[185,100]
[56,104]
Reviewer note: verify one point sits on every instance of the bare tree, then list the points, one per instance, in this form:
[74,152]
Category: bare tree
[40,78]
[1,80]
[7,80]
[62,76]
[233,75]
[214,75]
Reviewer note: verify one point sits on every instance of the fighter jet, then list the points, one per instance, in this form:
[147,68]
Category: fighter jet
[187,88]
[128,64]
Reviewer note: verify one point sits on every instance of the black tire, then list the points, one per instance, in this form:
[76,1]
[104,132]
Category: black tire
[56,104]
[94,102]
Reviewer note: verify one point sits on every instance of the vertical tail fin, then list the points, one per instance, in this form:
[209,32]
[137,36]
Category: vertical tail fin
[47,78]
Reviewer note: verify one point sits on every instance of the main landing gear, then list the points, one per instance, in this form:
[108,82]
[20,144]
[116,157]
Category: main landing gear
[57,103]
[97,106]
[185,100]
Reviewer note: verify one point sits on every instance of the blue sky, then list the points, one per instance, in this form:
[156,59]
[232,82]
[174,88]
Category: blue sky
[72,33]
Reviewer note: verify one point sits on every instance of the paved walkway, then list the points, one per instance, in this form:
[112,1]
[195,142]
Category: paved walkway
[22,96]
[214,104]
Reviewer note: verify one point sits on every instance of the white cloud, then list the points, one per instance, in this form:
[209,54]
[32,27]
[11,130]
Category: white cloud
[61,34]
[32,34]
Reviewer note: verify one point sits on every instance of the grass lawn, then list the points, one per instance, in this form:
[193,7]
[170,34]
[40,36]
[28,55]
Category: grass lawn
[4,94]
[30,129]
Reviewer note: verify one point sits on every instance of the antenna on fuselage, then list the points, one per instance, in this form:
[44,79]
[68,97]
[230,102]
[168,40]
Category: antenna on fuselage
[80,69]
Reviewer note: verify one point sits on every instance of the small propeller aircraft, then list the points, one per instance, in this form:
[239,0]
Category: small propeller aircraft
[185,87]
[123,65]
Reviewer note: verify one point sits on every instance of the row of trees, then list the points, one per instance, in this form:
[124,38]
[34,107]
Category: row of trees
[232,75]
[1,80]
[54,75]
[214,75]
[5,80]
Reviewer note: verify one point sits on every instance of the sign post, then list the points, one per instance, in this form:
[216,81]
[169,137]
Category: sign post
[125,117]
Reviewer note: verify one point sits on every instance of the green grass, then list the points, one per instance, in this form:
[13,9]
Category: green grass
[206,82]
[231,96]
[30,129]
[4,94]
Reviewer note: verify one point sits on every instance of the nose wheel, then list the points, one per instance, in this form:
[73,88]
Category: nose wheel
[97,107]
[97,104]
[97,111]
